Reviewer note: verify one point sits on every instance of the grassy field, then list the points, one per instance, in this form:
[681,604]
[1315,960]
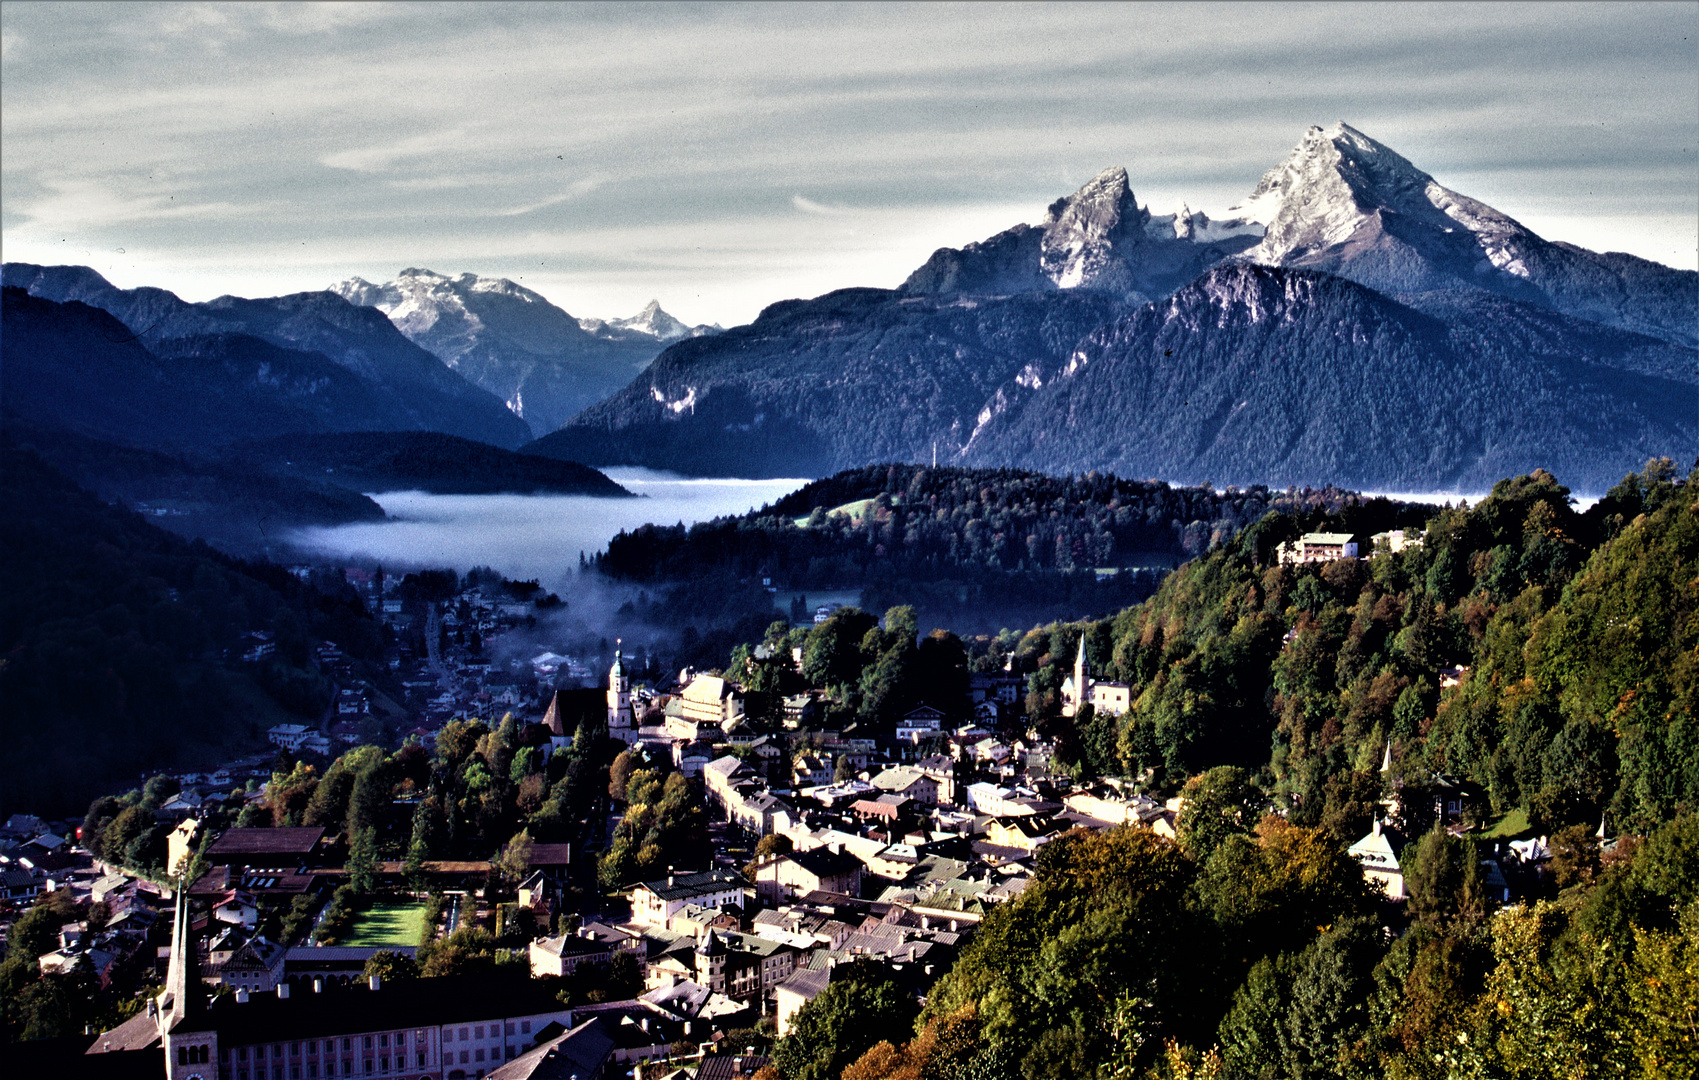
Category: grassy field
[388,924]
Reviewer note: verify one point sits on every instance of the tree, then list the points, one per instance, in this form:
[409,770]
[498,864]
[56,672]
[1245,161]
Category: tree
[362,865]
[464,952]
[842,1023]
[514,862]
[1220,803]
[390,965]
[619,774]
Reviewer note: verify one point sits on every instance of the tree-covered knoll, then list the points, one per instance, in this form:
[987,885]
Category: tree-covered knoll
[972,548]
[422,460]
[118,638]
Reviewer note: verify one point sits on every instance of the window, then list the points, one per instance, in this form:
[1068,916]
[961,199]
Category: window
[347,1044]
[509,1029]
[421,1059]
[312,1070]
[480,1053]
[465,1056]
[525,1026]
[383,1064]
[383,1040]
[368,1042]
[369,1064]
[242,1054]
[480,1031]
[463,1034]
[447,1034]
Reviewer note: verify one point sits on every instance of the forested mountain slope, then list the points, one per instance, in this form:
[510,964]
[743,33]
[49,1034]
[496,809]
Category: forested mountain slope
[116,636]
[1285,376]
[814,386]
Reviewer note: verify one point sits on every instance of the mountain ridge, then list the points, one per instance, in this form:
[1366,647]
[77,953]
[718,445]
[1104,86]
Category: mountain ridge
[1341,206]
[545,364]
[359,339]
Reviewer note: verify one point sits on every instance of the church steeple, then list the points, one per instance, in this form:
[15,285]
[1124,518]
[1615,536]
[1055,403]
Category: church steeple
[619,691]
[183,994]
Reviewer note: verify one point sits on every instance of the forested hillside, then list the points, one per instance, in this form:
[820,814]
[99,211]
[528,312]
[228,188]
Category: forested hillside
[1286,376]
[975,549]
[422,461]
[815,386]
[1294,707]
[116,634]
[1577,633]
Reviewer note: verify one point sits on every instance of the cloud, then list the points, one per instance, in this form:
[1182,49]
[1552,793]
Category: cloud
[578,190]
[382,157]
[809,206]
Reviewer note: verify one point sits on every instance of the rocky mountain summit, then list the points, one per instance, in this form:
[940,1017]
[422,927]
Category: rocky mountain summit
[1342,203]
[1352,321]
[510,340]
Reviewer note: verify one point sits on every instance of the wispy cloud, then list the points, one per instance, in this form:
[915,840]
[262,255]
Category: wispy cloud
[731,147]
[809,206]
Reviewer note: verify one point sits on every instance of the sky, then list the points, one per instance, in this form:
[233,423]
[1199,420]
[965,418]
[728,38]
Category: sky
[719,158]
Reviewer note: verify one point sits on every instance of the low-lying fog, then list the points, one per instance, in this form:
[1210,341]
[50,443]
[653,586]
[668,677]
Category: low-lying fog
[530,537]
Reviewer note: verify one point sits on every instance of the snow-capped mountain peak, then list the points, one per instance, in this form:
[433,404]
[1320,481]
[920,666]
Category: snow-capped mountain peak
[1080,231]
[651,322]
[1339,185]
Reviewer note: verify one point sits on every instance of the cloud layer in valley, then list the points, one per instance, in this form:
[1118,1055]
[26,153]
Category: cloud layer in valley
[724,157]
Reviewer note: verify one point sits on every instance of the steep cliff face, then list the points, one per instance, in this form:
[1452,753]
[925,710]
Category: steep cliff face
[1098,238]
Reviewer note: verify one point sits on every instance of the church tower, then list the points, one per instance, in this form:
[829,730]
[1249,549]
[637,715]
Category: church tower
[619,693]
[1076,690]
[191,1044]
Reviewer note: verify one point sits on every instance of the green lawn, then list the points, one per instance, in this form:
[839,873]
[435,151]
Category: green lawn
[388,924]
[1513,826]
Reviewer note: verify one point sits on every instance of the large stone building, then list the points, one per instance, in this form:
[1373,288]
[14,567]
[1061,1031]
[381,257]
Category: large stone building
[451,1028]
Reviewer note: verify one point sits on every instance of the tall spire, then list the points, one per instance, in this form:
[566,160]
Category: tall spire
[181,997]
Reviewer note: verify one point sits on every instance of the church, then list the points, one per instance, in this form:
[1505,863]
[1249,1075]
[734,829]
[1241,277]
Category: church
[1080,689]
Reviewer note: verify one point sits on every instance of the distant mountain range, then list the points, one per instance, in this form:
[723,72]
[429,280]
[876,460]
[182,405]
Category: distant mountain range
[412,388]
[228,436]
[545,364]
[1353,321]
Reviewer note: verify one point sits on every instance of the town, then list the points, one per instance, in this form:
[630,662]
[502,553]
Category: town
[647,876]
